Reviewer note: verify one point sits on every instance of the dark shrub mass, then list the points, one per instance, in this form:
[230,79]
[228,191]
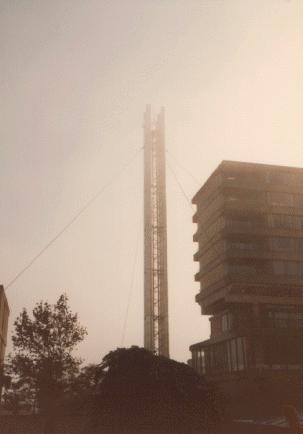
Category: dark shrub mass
[142,392]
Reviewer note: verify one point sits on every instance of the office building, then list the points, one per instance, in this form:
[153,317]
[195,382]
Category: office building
[250,253]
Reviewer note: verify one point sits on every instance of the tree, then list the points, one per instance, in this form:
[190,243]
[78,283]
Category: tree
[84,387]
[141,392]
[42,366]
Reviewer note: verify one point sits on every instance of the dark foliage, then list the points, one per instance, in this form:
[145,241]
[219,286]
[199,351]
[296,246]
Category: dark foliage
[42,367]
[79,398]
[142,392]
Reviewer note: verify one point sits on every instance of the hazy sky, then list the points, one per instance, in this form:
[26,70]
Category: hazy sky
[75,79]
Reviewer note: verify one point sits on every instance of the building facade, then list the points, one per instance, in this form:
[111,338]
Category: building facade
[250,253]
[4,314]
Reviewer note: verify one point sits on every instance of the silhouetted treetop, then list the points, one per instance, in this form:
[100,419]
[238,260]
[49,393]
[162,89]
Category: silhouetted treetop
[144,392]
[42,365]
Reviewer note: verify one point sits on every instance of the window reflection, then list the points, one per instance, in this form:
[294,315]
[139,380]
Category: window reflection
[227,356]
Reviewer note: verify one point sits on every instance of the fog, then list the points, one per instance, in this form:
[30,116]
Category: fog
[75,79]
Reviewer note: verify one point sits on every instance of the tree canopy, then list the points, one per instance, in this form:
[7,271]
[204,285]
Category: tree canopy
[42,365]
[144,392]
[130,391]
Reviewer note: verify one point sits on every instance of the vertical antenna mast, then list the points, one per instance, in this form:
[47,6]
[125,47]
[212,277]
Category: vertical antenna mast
[155,237]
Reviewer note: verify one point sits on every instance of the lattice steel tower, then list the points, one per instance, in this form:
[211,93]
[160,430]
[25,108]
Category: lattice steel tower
[155,237]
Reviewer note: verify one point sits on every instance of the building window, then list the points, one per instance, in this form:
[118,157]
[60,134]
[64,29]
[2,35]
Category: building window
[296,319]
[279,268]
[198,361]
[282,243]
[229,361]
[278,319]
[245,223]
[280,199]
[281,221]
[242,245]
[288,268]
[241,354]
[225,325]
[233,355]
[292,269]
[237,354]
[299,245]
[203,362]
[299,200]
[297,222]
[243,269]
[226,322]
[238,224]
[285,319]
[195,359]
[283,178]
[220,358]
[248,196]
